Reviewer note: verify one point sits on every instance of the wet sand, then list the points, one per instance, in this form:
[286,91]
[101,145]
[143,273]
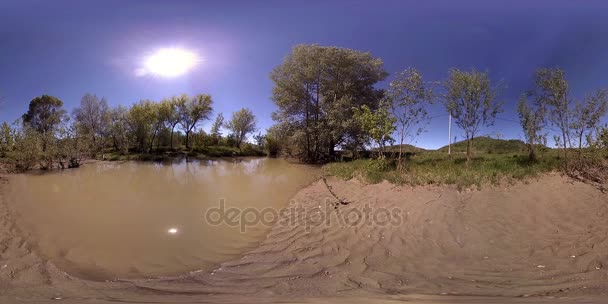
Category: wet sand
[544,241]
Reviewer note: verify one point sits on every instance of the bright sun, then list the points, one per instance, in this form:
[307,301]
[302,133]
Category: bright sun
[170,62]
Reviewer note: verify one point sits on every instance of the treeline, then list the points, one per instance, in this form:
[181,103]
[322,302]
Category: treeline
[47,137]
[327,99]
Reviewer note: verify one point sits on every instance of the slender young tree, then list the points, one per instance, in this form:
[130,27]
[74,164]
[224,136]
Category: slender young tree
[552,90]
[588,114]
[216,132]
[408,96]
[471,100]
[172,118]
[532,119]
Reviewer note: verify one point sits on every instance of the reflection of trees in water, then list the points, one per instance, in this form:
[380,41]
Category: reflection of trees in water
[247,182]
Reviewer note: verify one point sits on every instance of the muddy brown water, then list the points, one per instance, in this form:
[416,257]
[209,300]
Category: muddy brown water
[133,220]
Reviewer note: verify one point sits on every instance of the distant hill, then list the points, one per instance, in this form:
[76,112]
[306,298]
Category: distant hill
[486,144]
[406,148]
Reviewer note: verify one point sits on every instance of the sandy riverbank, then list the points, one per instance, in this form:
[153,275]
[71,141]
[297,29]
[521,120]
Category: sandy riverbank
[528,242]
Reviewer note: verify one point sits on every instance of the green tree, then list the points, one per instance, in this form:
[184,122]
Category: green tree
[242,123]
[378,124]
[27,146]
[72,147]
[316,89]
[172,117]
[216,132]
[260,139]
[230,140]
[602,138]
[7,139]
[192,111]
[409,96]
[471,100]
[119,127]
[272,146]
[44,115]
[552,90]
[164,116]
[532,119]
[588,114]
[141,119]
[92,119]
[277,139]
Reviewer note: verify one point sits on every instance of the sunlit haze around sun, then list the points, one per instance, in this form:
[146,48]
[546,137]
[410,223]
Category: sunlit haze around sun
[169,62]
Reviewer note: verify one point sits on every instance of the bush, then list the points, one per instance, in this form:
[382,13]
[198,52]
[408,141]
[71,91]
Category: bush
[272,146]
[248,149]
[381,165]
[24,153]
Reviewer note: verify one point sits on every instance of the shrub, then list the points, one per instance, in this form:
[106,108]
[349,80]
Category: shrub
[24,154]
[272,146]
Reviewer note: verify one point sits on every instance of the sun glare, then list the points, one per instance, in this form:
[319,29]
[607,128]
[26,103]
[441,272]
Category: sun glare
[170,62]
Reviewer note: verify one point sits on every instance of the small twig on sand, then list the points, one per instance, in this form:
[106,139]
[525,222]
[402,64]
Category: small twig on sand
[342,202]
[434,199]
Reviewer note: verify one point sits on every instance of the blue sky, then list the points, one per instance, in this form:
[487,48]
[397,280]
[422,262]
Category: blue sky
[69,48]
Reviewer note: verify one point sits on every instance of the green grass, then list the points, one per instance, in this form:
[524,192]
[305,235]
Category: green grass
[436,168]
[488,145]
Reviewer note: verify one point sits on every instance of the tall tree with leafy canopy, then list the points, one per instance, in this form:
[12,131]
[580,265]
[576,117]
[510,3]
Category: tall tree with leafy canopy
[192,111]
[141,119]
[316,89]
[408,96]
[243,122]
[44,115]
[92,119]
[471,100]
[119,127]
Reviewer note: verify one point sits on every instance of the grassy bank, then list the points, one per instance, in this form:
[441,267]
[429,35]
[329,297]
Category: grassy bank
[435,167]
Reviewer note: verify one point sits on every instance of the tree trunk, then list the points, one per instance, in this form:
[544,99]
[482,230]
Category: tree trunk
[469,143]
[187,140]
[565,149]
[152,142]
[399,160]
[580,144]
[532,153]
[115,143]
